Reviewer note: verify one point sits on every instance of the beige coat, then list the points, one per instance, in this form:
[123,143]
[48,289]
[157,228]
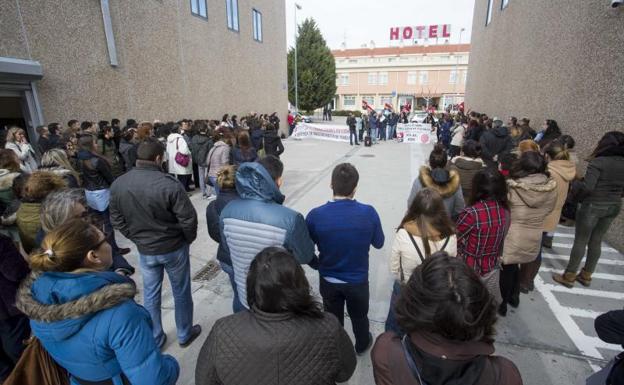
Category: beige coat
[563,172]
[531,199]
[403,250]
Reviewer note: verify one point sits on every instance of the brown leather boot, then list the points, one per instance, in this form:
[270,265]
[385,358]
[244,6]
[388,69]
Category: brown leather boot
[567,279]
[584,278]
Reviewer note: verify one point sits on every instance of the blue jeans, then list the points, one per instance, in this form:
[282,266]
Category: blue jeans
[391,322]
[237,306]
[374,134]
[215,185]
[178,267]
[202,179]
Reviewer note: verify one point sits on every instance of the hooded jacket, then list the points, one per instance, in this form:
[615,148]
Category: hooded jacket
[563,172]
[531,199]
[255,347]
[448,186]
[467,168]
[89,323]
[495,142]
[257,221]
[404,253]
[440,362]
[176,143]
[273,143]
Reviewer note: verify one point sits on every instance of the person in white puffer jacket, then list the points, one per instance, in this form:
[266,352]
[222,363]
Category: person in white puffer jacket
[16,142]
[177,144]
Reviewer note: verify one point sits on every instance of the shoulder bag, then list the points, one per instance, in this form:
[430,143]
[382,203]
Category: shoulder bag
[181,159]
[207,179]
[422,258]
[36,367]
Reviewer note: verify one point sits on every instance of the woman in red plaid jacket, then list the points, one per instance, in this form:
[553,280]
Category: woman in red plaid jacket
[482,227]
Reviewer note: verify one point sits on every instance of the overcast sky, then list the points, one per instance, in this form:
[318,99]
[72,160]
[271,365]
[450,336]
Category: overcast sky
[366,20]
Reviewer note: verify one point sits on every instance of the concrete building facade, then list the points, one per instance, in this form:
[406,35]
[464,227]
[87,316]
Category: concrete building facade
[421,75]
[556,59]
[152,59]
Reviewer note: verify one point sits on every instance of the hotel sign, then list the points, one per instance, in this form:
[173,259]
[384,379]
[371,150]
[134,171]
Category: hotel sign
[420,32]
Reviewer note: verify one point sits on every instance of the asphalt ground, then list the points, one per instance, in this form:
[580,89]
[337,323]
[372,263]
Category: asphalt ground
[550,337]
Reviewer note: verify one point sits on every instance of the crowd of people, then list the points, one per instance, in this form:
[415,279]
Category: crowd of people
[470,242]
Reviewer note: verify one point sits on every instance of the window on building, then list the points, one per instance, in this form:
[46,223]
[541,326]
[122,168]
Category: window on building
[370,99]
[453,77]
[412,77]
[504,4]
[349,101]
[372,78]
[386,99]
[382,78]
[353,61]
[257,24]
[488,16]
[465,76]
[231,9]
[424,77]
[342,79]
[198,8]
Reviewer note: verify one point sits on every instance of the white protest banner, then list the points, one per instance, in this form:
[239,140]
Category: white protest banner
[321,131]
[415,133]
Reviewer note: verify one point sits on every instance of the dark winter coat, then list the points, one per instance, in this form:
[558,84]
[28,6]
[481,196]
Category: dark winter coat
[240,156]
[351,122]
[95,172]
[450,189]
[13,269]
[254,347]
[610,329]
[213,212]
[152,209]
[273,143]
[200,146]
[256,135]
[467,168]
[495,142]
[128,153]
[604,179]
[90,325]
[440,361]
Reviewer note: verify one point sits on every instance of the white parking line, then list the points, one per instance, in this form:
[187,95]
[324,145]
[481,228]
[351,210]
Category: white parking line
[614,262]
[569,246]
[612,277]
[583,291]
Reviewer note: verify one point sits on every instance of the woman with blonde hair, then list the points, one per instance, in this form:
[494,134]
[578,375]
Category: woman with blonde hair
[85,316]
[425,229]
[528,145]
[56,162]
[16,142]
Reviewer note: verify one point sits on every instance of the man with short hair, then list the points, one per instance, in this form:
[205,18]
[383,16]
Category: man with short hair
[495,142]
[258,220]
[343,230]
[151,208]
[351,122]
[43,144]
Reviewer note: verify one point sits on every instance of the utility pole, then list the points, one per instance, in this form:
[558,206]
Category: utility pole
[297,6]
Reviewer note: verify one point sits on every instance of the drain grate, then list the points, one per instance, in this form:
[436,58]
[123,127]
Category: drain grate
[207,272]
[367,155]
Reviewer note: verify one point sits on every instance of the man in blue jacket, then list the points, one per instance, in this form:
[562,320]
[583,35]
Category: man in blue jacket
[343,230]
[258,220]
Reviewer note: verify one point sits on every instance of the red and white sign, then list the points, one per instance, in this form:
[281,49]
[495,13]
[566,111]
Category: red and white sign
[415,133]
[420,32]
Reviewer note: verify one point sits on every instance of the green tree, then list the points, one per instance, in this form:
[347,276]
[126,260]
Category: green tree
[316,69]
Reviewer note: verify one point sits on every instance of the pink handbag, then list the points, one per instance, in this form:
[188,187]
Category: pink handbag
[181,159]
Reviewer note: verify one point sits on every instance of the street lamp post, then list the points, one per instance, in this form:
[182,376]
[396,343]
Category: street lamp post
[297,6]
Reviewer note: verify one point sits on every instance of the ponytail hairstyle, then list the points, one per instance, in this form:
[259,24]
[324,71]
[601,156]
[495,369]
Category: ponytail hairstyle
[65,248]
[428,211]
[557,150]
[446,297]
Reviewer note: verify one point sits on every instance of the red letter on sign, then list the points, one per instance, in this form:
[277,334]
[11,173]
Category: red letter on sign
[420,30]
[433,31]
[408,32]
[394,33]
[446,30]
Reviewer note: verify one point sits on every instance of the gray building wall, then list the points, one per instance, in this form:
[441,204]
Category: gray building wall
[555,59]
[172,64]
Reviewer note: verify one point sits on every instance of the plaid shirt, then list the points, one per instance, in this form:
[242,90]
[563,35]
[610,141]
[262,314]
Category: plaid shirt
[481,231]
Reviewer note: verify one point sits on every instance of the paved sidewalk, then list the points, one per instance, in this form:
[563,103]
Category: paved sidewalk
[550,337]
